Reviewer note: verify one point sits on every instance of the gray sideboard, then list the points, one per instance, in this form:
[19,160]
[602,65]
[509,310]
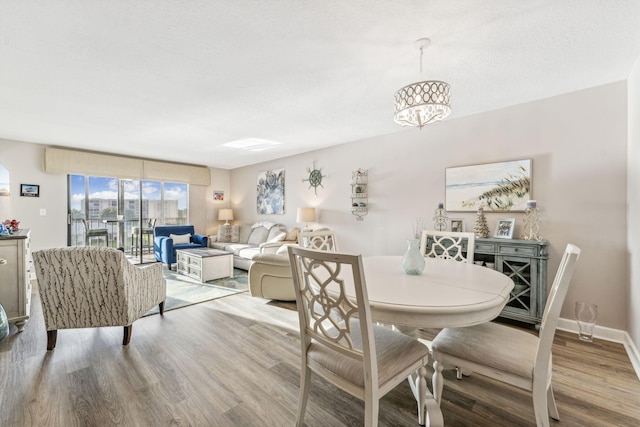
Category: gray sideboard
[525,262]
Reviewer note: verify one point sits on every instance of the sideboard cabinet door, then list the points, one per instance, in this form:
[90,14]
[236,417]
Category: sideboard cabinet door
[525,262]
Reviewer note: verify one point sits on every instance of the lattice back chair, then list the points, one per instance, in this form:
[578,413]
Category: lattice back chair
[448,245]
[338,340]
[94,232]
[508,354]
[324,240]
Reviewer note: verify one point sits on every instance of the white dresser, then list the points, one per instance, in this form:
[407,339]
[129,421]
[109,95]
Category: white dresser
[15,284]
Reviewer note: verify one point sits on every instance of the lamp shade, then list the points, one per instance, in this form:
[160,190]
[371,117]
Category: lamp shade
[306,215]
[225,214]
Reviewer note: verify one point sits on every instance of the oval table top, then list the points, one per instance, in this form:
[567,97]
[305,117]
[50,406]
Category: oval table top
[447,294]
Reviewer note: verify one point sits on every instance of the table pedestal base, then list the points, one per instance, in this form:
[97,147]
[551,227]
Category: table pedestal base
[429,413]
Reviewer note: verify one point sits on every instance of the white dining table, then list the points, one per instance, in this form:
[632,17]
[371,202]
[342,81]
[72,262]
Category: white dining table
[447,294]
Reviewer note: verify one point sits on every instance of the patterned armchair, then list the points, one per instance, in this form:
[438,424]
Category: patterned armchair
[88,287]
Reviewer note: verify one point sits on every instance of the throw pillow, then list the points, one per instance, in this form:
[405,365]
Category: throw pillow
[278,238]
[258,235]
[292,235]
[228,233]
[284,249]
[180,239]
[275,232]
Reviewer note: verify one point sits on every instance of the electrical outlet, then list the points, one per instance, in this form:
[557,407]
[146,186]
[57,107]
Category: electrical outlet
[43,211]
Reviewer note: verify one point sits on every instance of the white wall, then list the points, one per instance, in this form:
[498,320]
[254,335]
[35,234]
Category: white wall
[25,164]
[633,208]
[578,143]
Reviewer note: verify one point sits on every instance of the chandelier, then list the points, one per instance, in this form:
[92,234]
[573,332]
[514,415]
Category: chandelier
[421,103]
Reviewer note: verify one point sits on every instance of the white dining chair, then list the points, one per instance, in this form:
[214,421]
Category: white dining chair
[339,342]
[508,354]
[324,240]
[448,245]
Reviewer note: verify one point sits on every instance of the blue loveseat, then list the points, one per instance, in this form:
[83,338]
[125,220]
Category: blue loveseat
[164,247]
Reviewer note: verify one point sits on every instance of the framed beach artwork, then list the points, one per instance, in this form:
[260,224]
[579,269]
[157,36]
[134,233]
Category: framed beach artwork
[29,190]
[497,187]
[270,192]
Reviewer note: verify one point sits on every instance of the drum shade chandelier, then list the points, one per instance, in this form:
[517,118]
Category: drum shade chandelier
[424,102]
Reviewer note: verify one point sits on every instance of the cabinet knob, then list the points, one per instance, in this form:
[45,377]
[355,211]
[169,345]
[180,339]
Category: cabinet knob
[3,261]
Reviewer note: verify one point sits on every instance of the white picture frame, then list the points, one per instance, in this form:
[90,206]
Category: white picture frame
[456,225]
[504,228]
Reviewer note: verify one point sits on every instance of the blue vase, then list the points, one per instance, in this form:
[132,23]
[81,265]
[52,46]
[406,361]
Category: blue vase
[4,324]
[413,261]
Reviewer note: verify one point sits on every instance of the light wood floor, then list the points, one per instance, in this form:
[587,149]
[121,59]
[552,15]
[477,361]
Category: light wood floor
[235,362]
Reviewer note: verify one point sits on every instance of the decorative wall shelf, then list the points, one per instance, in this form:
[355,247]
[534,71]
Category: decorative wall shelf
[359,193]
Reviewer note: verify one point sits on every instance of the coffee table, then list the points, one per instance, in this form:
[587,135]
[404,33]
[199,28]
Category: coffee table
[204,264]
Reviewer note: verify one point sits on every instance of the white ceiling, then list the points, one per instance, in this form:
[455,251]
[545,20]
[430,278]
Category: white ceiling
[176,79]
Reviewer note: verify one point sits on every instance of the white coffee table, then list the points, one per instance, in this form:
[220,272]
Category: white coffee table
[204,264]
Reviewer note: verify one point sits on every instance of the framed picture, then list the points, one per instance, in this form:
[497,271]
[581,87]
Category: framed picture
[270,192]
[218,195]
[456,225]
[497,187]
[29,190]
[504,228]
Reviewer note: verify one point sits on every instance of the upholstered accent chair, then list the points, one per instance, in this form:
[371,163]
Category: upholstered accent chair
[89,287]
[338,340]
[510,355]
[167,239]
[270,277]
[448,245]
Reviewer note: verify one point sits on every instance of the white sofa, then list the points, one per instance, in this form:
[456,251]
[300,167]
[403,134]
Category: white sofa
[245,241]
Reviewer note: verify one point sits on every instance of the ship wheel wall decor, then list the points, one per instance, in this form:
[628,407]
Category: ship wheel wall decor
[315,178]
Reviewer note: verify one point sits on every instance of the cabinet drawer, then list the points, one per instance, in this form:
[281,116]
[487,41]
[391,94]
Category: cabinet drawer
[518,250]
[484,247]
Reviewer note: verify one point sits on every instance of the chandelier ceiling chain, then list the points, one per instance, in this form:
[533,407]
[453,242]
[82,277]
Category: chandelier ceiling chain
[421,103]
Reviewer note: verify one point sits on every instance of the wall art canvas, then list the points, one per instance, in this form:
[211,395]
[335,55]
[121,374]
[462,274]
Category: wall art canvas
[497,187]
[5,188]
[270,198]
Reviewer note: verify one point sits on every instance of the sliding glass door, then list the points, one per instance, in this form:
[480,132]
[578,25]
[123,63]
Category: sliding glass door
[127,209]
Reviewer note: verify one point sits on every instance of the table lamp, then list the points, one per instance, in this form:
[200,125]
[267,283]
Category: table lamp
[305,216]
[225,215]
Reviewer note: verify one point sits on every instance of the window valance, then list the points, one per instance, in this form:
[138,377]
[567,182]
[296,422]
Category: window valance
[62,160]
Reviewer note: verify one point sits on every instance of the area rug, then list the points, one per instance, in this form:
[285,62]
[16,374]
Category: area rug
[183,291]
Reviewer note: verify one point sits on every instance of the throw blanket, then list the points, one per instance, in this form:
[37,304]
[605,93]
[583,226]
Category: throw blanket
[267,225]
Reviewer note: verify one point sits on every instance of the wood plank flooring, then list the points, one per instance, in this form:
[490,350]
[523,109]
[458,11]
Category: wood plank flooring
[234,361]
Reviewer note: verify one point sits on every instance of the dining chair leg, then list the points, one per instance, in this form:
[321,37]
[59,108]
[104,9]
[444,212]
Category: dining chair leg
[551,403]
[422,396]
[305,379]
[540,407]
[371,409]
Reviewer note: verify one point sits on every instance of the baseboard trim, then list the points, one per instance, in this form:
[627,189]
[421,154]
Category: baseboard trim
[608,334]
